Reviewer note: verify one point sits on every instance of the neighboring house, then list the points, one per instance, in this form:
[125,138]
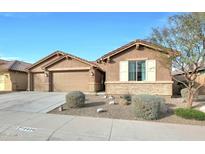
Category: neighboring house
[13,75]
[138,67]
[64,72]
[177,86]
[135,68]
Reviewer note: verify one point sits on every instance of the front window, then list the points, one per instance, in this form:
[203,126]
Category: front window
[132,71]
[137,71]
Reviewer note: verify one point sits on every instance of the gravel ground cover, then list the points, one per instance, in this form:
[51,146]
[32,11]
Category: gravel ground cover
[119,111]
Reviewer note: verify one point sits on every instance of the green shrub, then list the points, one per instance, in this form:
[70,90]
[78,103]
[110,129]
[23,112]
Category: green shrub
[147,106]
[184,93]
[190,114]
[127,97]
[75,99]
[163,107]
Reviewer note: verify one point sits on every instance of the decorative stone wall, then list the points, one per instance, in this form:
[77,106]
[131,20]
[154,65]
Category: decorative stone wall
[162,88]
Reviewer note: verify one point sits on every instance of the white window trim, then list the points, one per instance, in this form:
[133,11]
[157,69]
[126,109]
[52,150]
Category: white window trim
[136,61]
[155,69]
[123,71]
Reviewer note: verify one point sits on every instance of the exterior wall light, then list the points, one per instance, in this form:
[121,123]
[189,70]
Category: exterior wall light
[91,74]
[46,74]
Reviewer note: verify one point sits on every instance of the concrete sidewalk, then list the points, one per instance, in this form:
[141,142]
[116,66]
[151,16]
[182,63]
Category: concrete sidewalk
[38,126]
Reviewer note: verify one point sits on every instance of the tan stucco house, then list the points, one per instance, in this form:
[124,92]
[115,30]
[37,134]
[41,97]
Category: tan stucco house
[13,75]
[138,67]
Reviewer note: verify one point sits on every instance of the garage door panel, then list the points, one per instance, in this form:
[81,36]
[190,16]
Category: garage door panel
[40,82]
[69,81]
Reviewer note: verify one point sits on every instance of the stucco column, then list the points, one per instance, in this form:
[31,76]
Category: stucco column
[50,81]
[29,88]
[92,80]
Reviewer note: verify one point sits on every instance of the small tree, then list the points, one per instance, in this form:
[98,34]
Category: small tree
[184,33]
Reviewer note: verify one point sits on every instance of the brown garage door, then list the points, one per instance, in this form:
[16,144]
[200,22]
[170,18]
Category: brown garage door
[40,82]
[69,81]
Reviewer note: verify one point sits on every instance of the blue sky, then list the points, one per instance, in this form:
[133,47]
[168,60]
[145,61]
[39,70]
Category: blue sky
[31,36]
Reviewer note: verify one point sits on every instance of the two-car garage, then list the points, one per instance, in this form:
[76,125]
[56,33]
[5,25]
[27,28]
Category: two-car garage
[69,81]
[62,81]
[62,72]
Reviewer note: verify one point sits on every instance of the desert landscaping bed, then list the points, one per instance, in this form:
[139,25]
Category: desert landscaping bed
[119,111]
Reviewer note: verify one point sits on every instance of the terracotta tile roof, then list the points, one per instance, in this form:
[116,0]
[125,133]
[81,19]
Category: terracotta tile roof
[13,65]
[142,42]
[5,65]
[20,66]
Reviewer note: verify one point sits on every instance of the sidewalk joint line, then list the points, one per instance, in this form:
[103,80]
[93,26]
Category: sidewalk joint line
[110,131]
[51,135]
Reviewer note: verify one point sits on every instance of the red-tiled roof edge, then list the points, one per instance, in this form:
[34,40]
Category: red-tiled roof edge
[17,68]
[12,65]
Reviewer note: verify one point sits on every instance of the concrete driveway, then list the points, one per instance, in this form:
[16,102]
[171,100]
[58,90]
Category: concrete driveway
[37,102]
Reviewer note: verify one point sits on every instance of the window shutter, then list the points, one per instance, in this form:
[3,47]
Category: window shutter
[151,70]
[124,71]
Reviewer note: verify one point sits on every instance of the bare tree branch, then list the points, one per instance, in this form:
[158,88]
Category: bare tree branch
[180,81]
[184,33]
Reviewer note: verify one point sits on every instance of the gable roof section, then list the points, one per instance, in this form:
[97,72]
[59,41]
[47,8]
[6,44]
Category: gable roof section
[14,66]
[53,62]
[63,55]
[46,58]
[82,60]
[133,43]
